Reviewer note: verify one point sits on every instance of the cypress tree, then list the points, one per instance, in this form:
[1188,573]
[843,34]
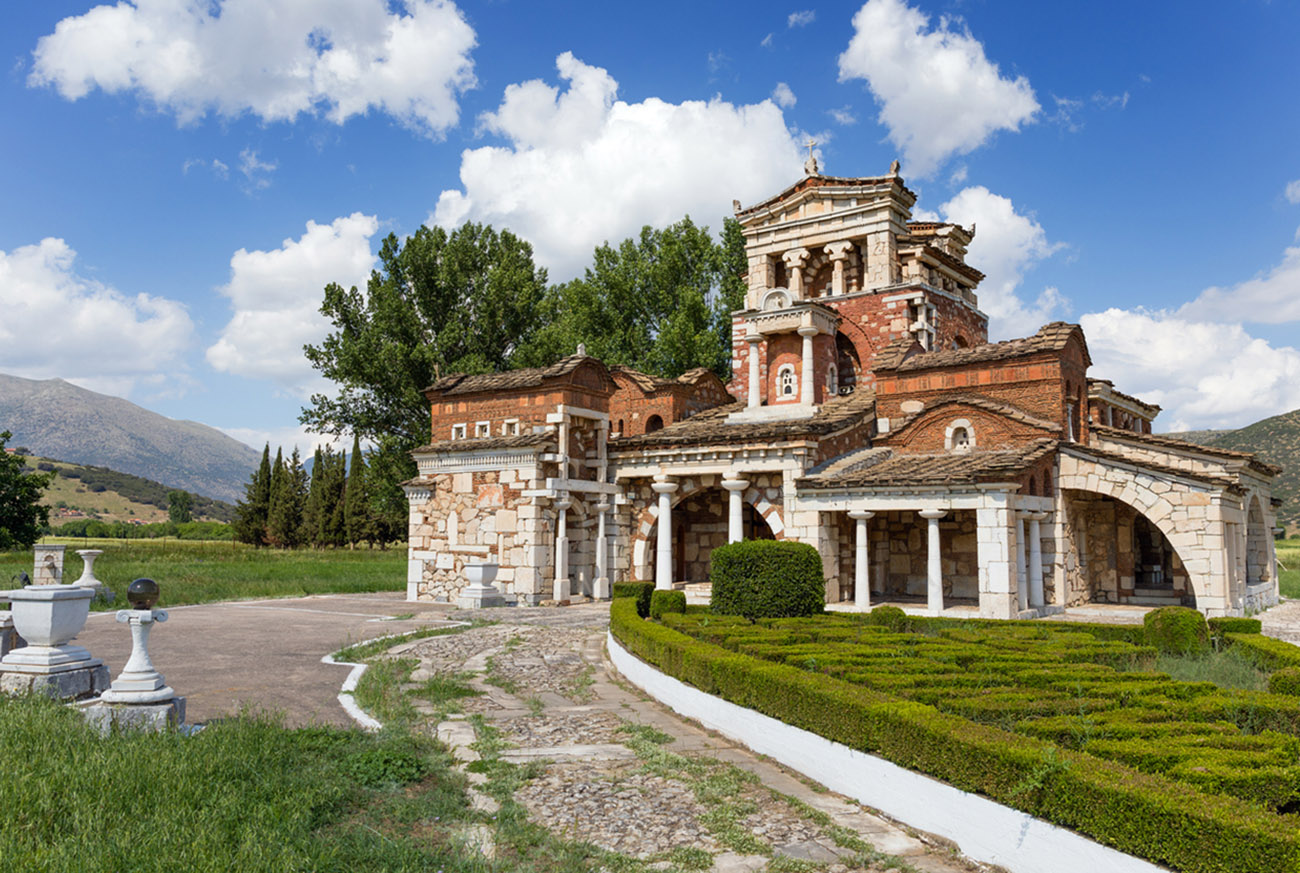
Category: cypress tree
[251,512]
[288,494]
[279,495]
[314,509]
[336,500]
[356,509]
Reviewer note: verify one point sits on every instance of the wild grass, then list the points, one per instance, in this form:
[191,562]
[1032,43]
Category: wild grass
[206,572]
[1288,554]
[1226,668]
[244,794]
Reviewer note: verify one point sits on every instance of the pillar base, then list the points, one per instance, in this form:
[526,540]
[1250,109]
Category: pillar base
[479,597]
[85,681]
[154,717]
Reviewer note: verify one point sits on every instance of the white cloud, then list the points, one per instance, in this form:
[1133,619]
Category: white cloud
[1007,244]
[1270,298]
[58,323]
[287,438]
[219,168]
[783,96]
[843,115]
[276,59]
[1205,374]
[938,93]
[1293,191]
[958,175]
[276,297]
[257,173]
[767,41]
[582,167]
[802,18]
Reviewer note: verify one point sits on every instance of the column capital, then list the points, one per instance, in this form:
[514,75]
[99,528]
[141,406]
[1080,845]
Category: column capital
[861,514]
[562,503]
[809,330]
[932,513]
[604,505]
[754,337]
[664,484]
[838,250]
[795,257]
[1034,516]
[734,483]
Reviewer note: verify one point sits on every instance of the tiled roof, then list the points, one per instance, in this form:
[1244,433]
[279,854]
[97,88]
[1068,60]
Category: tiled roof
[510,380]
[711,427]
[895,470]
[995,406]
[522,441]
[1177,445]
[1155,407]
[1050,337]
[820,181]
[941,256]
[644,381]
[1163,469]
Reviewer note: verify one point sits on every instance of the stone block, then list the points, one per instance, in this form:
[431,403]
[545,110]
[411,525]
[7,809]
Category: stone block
[76,684]
[151,717]
[461,483]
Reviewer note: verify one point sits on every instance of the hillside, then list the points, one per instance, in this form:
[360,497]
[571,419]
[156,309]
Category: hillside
[79,491]
[57,419]
[1276,440]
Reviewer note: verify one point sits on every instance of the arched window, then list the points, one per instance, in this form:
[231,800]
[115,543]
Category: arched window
[959,436]
[1047,483]
[620,427]
[960,342]
[653,423]
[787,383]
[1033,487]
[832,381]
[961,440]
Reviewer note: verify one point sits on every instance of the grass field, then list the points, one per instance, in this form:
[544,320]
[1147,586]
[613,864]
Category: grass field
[1288,554]
[207,572]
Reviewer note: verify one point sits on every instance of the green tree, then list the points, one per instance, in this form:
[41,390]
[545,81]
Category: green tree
[288,496]
[180,506]
[21,514]
[660,302]
[356,509]
[315,509]
[251,512]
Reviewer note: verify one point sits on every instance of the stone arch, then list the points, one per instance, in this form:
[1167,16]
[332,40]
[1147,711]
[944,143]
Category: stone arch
[654,423]
[1199,562]
[645,538]
[1258,567]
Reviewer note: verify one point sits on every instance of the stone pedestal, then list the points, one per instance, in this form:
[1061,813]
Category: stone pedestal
[480,593]
[48,617]
[87,578]
[106,717]
[139,698]
[49,565]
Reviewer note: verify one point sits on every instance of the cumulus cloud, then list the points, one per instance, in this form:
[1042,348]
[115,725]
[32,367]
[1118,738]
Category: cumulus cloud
[1007,244]
[1206,374]
[783,96]
[581,167]
[1292,192]
[276,59]
[257,172]
[939,94]
[60,324]
[802,18]
[1269,298]
[276,298]
[843,115]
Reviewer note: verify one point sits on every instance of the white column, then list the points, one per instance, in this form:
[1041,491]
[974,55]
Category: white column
[560,589]
[1035,559]
[934,565]
[794,270]
[600,588]
[755,366]
[839,252]
[1022,577]
[735,508]
[807,379]
[664,487]
[862,562]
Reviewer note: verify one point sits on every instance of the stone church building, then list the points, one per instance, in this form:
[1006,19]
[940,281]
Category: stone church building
[867,415]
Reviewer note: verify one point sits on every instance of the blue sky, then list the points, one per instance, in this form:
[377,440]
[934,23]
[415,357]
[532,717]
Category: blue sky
[181,179]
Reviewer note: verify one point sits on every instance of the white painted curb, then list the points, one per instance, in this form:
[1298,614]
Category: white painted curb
[346,699]
[984,830]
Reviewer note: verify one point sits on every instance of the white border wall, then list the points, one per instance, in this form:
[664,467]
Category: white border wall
[984,830]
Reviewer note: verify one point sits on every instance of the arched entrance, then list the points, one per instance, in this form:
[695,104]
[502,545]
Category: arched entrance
[1259,566]
[699,525]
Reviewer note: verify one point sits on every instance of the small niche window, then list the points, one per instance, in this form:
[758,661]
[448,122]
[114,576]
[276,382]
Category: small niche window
[787,383]
[482,430]
[458,431]
[653,423]
[510,428]
[832,381]
[959,437]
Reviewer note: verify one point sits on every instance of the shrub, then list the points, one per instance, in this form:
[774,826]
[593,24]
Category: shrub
[1285,681]
[889,617]
[1269,653]
[662,602]
[1177,630]
[639,590]
[1227,625]
[767,579]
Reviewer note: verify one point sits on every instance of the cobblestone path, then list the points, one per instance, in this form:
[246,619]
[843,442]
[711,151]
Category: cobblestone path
[596,762]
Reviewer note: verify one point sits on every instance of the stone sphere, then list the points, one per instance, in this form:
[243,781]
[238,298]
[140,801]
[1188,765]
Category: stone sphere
[142,594]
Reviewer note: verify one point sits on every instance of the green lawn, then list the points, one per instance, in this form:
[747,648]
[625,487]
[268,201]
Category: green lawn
[206,572]
[1288,554]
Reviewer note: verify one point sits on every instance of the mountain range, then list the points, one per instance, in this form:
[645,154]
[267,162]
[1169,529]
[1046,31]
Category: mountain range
[57,419]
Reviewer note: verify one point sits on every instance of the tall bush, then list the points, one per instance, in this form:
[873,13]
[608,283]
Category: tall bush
[767,579]
[1177,630]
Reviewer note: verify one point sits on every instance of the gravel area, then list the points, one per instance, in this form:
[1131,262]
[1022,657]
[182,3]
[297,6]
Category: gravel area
[560,728]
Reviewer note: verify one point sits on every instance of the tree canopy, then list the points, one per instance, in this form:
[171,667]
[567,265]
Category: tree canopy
[21,514]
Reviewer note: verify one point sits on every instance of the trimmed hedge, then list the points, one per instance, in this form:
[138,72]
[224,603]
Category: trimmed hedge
[1268,653]
[890,617]
[1228,625]
[1177,630]
[641,591]
[1285,681]
[1142,814]
[767,579]
[664,602]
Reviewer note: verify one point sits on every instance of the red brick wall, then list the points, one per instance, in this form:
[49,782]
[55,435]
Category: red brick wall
[530,407]
[1034,384]
[782,349]
[990,431]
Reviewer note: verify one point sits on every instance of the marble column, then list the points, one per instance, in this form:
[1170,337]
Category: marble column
[1036,599]
[755,398]
[862,562]
[794,270]
[735,508]
[600,589]
[664,486]
[1022,576]
[560,590]
[839,252]
[934,561]
[807,378]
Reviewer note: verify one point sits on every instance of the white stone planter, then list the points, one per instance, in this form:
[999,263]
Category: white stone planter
[88,579]
[479,592]
[48,617]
